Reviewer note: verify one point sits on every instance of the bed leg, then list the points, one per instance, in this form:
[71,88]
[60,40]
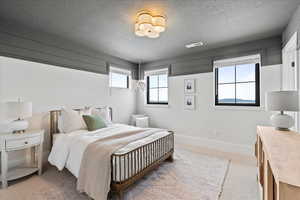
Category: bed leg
[170,158]
[120,195]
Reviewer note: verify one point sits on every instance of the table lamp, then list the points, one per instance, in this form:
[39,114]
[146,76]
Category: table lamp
[18,111]
[282,101]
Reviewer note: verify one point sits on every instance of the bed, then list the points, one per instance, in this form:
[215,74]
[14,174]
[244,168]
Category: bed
[127,164]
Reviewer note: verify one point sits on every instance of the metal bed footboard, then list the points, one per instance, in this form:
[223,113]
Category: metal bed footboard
[129,167]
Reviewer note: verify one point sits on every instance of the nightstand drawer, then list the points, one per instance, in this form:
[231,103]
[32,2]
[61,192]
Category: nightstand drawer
[22,143]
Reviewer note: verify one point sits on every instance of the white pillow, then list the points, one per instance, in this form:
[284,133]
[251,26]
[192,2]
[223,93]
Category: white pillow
[104,113]
[60,124]
[86,111]
[72,120]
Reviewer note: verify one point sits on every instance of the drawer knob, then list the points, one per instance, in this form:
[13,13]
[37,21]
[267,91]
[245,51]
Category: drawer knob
[26,142]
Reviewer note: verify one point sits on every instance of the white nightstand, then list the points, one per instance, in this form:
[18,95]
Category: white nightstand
[140,120]
[32,141]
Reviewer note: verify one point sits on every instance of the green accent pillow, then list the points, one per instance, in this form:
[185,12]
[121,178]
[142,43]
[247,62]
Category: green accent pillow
[93,122]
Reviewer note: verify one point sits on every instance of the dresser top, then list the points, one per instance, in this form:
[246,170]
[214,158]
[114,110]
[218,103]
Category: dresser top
[28,133]
[282,149]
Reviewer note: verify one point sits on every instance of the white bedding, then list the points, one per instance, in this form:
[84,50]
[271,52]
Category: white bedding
[68,148]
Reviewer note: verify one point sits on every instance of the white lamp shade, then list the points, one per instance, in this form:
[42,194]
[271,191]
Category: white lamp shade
[19,110]
[282,101]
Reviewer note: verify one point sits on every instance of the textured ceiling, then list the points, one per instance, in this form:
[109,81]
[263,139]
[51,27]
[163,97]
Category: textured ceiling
[107,25]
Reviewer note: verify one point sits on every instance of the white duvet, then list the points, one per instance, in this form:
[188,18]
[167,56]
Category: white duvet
[68,148]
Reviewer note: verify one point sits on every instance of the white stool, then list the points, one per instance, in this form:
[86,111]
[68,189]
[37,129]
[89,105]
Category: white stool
[133,118]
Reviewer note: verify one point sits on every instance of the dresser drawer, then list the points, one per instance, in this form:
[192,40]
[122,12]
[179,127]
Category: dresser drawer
[22,142]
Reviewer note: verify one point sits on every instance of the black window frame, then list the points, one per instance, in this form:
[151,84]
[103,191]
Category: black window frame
[148,91]
[257,88]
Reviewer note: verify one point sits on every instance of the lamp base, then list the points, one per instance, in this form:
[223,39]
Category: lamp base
[282,122]
[19,126]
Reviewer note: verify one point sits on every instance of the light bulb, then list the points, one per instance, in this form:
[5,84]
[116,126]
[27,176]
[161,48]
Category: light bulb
[151,33]
[138,31]
[159,23]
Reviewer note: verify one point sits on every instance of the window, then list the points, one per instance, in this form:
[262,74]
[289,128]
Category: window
[157,87]
[237,82]
[119,78]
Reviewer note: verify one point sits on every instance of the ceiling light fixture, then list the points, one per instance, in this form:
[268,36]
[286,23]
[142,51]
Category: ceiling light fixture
[195,44]
[148,25]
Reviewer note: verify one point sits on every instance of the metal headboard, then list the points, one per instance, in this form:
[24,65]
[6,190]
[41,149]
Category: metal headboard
[54,115]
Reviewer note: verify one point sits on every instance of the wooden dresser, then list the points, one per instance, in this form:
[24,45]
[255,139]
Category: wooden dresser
[278,161]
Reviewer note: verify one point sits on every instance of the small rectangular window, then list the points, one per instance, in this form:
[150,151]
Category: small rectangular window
[237,83]
[157,87]
[119,78]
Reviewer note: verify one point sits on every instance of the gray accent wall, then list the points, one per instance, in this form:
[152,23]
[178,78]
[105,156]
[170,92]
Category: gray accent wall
[28,44]
[269,49]
[292,27]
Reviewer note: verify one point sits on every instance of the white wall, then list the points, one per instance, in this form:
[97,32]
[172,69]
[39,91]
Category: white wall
[1,105]
[49,87]
[298,68]
[228,129]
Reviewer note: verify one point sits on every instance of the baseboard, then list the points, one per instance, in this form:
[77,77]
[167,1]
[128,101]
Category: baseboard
[214,144]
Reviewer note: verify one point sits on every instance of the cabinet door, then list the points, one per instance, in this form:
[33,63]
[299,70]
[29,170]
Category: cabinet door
[260,161]
[268,186]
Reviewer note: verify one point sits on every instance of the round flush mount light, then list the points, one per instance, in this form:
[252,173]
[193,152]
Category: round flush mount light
[150,26]
[195,44]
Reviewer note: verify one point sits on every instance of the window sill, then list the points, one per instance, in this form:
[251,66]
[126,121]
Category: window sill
[248,108]
[119,88]
[157,105]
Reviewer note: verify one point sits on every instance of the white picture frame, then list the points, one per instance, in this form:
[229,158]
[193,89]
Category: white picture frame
[189,86]
[189,102]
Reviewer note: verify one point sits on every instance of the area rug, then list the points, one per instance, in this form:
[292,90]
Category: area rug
[191,176]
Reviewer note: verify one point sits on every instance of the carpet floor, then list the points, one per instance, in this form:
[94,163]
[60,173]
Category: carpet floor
[190,177]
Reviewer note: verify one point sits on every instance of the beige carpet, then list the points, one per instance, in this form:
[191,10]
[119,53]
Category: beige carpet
[190,177]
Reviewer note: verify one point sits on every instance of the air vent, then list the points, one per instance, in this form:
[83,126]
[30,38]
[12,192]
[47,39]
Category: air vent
[195,44]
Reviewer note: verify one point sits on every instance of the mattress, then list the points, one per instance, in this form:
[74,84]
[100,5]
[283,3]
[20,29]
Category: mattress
[128,147]
[68,148]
